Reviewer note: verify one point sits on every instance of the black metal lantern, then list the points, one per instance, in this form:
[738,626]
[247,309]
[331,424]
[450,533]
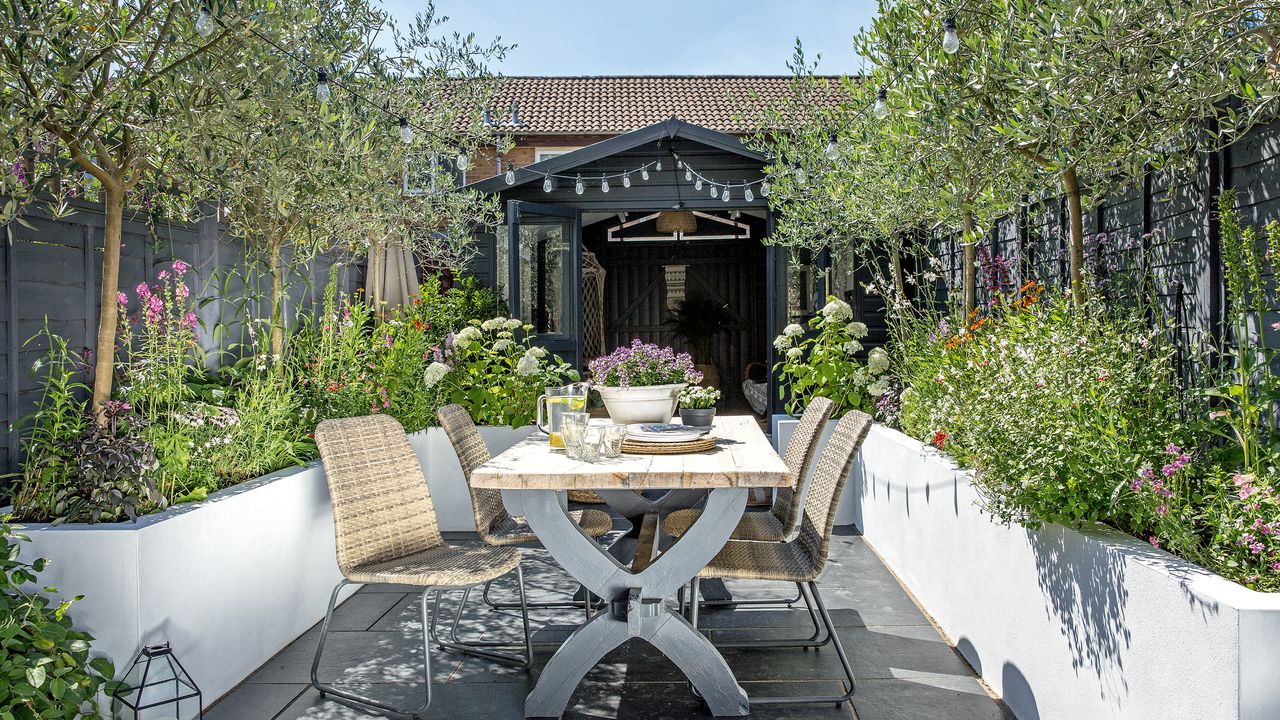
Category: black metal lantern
[156,686]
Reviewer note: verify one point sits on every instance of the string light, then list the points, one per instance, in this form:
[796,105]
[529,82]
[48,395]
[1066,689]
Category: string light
[626,179]
[724,196]
[578,187]
[746,193]
[548,184]
[688,174]
[802,177]
[714,190]
[950,38]
[644,173]
[698,185]
[604,184]
[406,132]
[882,103]
[658,166]
[764,189]
[510,177]
[322,86]
[463,161]
[832,150]
[204,23]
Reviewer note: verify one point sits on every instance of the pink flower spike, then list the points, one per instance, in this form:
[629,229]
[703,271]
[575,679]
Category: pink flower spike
[191,320]
[1172,449]
[122,298]
[1162,510]
[163,274]
[180,268]
[142,290]
[1154,542]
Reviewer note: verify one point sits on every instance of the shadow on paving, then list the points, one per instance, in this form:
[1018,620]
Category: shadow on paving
[904,668]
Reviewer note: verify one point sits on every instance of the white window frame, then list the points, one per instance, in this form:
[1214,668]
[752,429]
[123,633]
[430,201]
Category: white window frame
[546,153]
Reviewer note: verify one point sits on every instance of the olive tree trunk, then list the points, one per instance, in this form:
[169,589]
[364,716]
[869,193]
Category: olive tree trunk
[1075,235]
[969,265]
[108,308]
[275,246]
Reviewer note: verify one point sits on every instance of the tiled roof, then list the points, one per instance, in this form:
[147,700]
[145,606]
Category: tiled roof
[619,104]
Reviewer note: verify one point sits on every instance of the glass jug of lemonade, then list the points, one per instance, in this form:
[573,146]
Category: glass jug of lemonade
[555,403]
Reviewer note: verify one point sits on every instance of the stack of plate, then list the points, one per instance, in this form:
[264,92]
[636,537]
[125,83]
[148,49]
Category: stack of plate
[664,432]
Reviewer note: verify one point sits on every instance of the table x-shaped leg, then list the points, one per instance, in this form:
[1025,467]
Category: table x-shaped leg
[636,607]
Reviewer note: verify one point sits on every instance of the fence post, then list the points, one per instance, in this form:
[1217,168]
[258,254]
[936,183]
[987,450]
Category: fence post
[11,317]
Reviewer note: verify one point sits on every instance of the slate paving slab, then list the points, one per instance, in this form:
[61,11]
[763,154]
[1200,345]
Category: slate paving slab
[905,670]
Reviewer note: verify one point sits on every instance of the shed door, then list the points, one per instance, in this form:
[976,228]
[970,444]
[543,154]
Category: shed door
[544,274]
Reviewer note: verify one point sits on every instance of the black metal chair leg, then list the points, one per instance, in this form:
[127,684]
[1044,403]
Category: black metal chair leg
[326,690]
[844,663]
[484,648]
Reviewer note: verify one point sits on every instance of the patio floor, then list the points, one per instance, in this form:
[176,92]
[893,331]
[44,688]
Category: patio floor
[905,669]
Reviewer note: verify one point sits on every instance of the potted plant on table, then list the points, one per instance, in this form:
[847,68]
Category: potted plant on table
[698,405]
[641,382]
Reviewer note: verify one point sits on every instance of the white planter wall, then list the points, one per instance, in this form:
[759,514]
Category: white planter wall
[229,581]
[1062,623]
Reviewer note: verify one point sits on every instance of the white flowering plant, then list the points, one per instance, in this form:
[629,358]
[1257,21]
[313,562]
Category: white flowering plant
[696,397]
[490,368]
[823,362]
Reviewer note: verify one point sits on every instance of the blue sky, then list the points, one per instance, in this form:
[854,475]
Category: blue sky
[657,37]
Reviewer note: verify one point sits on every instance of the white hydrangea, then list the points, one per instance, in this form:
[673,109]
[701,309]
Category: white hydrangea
[858,330]
[782,342]
[793,330]
[513,323]
[878,388]
[502,344]
[878,361]
[538,351]
[434,373]
[853,347]
[795,353]
[837,310]
[528,364]
[493,324]
[466,336]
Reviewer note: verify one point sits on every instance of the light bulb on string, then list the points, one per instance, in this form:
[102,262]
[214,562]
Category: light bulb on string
[724,196]
[548,184]
[658,166]
[406,132]
[832,150]
[764,188]
[679,162]
[950,38]
[462,160]
[882,104]
[715,191]
[322,86]
[510,176]
[747,194]
[578,187]
[626,179]
[697,184]
[204,22]
[604,184]
[644,173]
[802,177]
[688,174]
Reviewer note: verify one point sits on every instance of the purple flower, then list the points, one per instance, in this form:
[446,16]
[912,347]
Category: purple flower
[1162,510]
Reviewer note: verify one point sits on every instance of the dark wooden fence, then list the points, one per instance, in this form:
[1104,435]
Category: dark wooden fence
[1163,227]
[51,273]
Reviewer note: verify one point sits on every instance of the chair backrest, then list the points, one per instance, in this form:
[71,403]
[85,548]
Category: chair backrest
[828,481]
[788,505]
[486,504]
[382,508]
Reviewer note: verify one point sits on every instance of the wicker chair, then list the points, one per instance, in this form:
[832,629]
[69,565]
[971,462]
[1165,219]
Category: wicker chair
[801,560]
[495,525]
[783,518]
[386,532]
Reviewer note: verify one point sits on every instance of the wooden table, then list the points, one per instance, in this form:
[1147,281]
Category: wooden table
[637,606]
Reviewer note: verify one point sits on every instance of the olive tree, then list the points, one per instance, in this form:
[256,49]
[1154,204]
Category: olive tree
[94,96]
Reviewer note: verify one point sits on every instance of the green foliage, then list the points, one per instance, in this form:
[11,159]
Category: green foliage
[697,319]
[45,669]
[1056,404]
[494,374]
[825,364]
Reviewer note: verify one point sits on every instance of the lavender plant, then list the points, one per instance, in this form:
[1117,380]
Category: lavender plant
[642,364]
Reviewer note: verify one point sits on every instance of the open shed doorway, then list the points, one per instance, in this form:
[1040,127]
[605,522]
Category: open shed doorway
[715,267]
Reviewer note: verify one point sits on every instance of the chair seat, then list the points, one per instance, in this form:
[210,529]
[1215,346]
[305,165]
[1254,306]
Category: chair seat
[585,497]
[516,531]
[782,562]
[441,566]
[754,526]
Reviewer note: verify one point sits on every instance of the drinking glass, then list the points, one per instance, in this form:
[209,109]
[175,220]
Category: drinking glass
[611,437]
[588,449]
[572,427]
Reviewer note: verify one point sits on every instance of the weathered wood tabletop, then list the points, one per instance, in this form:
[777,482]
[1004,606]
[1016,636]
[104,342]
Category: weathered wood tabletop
[742,458]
